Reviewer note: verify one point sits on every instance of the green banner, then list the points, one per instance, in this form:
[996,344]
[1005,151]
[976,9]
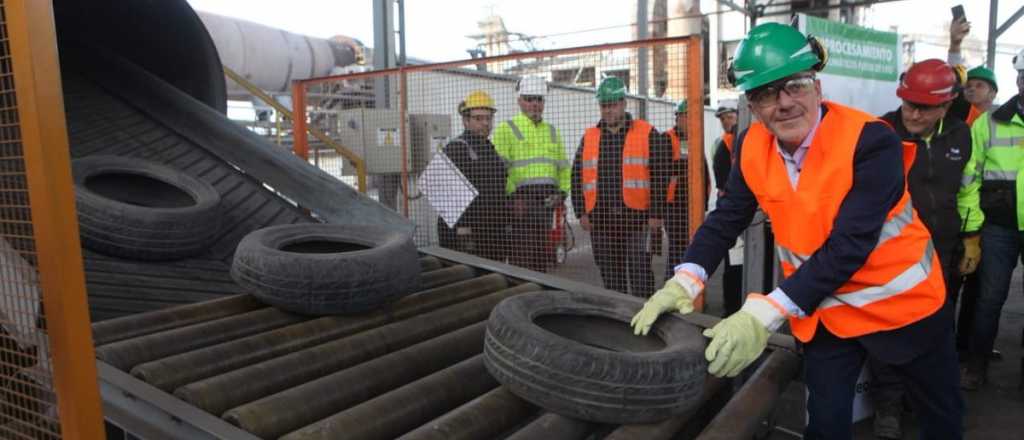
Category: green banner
[855,51]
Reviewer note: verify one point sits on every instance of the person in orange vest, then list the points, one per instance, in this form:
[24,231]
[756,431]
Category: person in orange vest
[860,273]
[732,277]
[619,180]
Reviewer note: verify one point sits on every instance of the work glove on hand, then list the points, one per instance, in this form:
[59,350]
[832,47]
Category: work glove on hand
[972,255]
[681,293]
[738,340]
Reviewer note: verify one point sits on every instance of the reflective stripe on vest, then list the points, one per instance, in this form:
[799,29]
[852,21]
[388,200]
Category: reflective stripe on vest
[999,150]
[899,283]
[636,175]
[534,160]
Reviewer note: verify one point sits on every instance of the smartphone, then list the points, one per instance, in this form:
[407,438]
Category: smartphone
[958,12]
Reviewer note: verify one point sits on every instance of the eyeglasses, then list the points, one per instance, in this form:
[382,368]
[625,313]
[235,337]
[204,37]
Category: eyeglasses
[768,96]
[533,98]
[922,108]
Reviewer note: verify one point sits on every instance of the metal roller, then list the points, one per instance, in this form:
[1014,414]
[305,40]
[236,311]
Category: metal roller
[221,393]
[668,429]
[742,416]
[486,416]
[112,330]
[428,264]
[447,275]
[174,371]
[291,409]
[392,414]
[555,427]
[130,352]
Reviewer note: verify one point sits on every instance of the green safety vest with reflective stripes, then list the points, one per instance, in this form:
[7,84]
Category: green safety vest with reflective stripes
[998,156]
[534,154]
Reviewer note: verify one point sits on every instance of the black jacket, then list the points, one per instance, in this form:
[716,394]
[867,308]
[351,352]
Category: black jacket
[609,175]
[476,158]
[935,176]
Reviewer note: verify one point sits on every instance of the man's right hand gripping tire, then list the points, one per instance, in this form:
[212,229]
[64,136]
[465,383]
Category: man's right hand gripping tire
[682,293]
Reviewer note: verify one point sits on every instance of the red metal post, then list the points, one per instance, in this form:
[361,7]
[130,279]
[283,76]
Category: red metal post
[695,132]
[300,145]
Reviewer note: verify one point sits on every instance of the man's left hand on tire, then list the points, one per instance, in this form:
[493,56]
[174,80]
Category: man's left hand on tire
[739,339]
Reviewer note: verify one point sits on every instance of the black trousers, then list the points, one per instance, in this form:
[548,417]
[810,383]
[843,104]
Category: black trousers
[887,387]
[485,240]
[622,256]
[831,367]
[531,228]
[732,285]
[678,236]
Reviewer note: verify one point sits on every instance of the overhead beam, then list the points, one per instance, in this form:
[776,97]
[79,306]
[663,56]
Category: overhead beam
[1010,21]
[732,5]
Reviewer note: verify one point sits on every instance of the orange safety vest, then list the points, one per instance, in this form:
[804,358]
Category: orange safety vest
[901,280]
[677,155]
[636,173]
[728,138]
[973,114]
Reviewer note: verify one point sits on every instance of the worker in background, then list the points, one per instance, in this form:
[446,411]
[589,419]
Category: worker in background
[948,208]
[481,228]
[861,276]
[981,89]
[619,180]
[732,277]
[676,208]
[538,174]
[996,138]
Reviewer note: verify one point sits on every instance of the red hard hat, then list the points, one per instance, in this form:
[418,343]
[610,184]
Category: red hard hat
[929,82]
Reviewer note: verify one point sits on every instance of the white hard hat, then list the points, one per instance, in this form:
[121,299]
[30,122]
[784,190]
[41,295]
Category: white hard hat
[1018,60]
[532,86]
[725,106]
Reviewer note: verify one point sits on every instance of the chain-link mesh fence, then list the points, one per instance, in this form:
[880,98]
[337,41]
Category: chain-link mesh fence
[535,159]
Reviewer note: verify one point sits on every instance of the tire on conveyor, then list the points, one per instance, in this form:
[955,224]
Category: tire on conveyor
[326,269]
[575,355]
[138,209]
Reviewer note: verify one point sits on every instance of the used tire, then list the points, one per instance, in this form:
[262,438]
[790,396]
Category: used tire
[325,269]
[137,209]
[575,355]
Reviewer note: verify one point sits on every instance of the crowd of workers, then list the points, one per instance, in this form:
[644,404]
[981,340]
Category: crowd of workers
[879,221]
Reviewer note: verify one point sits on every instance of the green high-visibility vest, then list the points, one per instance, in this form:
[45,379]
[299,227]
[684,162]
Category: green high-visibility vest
[534,154]
[998,154]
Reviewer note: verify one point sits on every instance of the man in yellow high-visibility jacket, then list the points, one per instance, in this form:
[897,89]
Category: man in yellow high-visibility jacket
[538,174]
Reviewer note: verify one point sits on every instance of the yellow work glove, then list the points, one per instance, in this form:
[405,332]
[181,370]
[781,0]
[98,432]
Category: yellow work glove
[738,340]
[972,255]
[681,293]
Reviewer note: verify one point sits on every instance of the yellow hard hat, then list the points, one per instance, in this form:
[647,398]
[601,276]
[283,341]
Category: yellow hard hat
[478,99]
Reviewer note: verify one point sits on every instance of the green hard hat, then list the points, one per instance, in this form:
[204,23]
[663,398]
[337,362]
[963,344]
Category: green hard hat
[771,51]
[611,89]
[983,73]
[681,107]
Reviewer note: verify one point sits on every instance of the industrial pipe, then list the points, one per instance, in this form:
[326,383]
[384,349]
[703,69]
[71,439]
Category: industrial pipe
[112,330]
[742,416]
[125,354]
[486,416]
[221,393]
[667,429]
[291,409]
[554,426]
[398,411]
[174,371]
[447,275]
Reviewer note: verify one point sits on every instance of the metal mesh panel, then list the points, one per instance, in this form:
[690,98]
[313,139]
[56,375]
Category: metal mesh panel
[27,400]
[510,186]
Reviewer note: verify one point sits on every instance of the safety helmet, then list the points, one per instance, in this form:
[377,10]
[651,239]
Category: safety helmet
[929,82]
[681,107]
[985,74]
[772,51]
[532,86]
[477,99]
[1018,60]
[611,89]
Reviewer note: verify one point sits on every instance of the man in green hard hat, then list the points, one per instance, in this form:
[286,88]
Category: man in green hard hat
[860,274]
[619,180]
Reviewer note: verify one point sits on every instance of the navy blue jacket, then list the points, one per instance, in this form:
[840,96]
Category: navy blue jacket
[878,184]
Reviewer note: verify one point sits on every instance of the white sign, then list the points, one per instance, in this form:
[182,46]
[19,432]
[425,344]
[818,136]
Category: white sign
[387,137]
[447,189]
